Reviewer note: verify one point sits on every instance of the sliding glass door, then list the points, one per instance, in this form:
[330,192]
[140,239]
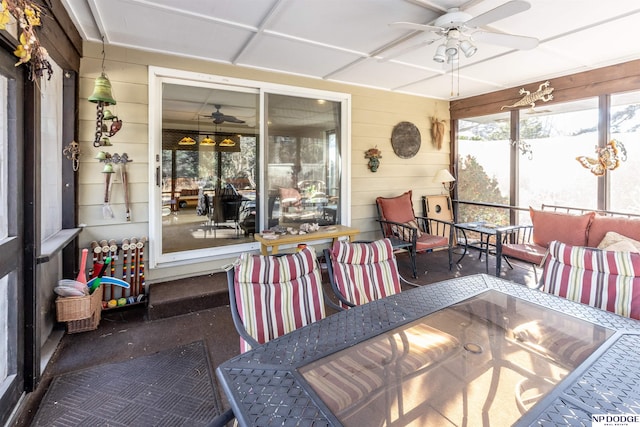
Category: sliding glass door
[235,157]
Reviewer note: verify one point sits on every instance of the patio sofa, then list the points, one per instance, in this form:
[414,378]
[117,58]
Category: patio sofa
[603,230]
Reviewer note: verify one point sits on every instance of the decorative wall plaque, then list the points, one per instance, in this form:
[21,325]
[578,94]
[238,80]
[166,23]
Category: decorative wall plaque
[405,140]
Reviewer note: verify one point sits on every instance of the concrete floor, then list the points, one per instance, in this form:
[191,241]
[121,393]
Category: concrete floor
[128,332]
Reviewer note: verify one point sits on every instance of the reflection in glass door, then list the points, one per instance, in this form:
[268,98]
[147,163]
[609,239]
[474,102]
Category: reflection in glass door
[208,169]
[303,162]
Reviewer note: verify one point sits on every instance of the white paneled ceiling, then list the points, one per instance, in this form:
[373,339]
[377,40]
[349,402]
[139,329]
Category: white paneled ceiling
[351,41]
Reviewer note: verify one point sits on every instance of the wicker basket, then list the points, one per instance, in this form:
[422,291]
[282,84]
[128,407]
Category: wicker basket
[83,325]
[79,308]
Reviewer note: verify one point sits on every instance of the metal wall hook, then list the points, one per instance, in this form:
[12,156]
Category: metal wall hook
[72,152]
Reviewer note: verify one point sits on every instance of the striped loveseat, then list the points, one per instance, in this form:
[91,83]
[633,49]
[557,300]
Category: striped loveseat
[606,279]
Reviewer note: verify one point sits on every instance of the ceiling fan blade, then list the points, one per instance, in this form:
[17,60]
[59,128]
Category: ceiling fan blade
[232,119]
[506,40]
[414,26]
[500,12]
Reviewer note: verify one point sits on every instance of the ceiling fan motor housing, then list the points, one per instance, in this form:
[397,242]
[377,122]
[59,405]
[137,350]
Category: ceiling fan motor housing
[454,18]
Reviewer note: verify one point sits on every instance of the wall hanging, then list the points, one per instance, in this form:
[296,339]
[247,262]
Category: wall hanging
[437,132]
[109,160]
[405,140]
[29,51]
[374,155]
[609,158]
[72,152]
[103,97]
[530,98]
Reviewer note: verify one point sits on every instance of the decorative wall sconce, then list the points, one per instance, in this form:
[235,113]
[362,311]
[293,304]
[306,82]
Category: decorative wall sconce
[448,181]
[524,147]
[374,155]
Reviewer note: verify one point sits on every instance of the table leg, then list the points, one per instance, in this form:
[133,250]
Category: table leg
[486,254]
[465,247]
[263,249]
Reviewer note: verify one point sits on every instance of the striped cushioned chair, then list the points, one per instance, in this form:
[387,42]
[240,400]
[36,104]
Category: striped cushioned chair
[274,295]
[362,272]
[609,280]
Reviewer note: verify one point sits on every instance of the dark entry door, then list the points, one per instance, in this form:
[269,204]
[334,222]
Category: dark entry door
[11,240]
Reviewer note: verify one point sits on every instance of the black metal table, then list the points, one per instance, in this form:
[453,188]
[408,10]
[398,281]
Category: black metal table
[486,231]
[266,386]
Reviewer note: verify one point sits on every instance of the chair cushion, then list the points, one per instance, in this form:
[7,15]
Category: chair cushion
[617,242]
[608,280]
[404,233]
[430,241]
[602,224]
[397,209]
[566,228]
[276,295]
[365,272]
[524,251]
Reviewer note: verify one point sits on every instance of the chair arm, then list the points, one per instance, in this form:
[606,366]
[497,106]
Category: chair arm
[237,321]
[334,285]
[401,230]
[520,234]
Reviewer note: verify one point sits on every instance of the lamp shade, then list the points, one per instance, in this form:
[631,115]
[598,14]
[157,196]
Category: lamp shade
[439,56]
[443,176]
[187,140]
[207,141]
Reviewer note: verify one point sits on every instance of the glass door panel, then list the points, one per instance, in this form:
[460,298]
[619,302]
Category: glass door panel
[302,155]
[208,169]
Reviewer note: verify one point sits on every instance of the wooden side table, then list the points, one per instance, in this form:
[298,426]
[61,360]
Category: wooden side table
[333,232]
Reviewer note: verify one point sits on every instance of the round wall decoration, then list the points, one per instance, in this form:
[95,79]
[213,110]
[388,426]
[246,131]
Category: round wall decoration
[405,140]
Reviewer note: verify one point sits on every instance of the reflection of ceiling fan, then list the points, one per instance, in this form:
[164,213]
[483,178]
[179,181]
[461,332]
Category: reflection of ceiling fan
[458,30]
[219,118]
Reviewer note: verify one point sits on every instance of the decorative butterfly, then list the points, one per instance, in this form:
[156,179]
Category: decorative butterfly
[609,158]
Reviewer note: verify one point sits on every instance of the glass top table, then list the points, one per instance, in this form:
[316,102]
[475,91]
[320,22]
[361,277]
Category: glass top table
[471,351]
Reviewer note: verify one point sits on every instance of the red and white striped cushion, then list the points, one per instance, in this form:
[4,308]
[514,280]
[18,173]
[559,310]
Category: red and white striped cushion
[276,295]
[609,280]
[365,272]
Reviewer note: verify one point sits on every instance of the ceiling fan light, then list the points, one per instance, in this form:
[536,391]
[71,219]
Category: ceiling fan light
[453,59]
[207,141]
[468,48]
[439,56]
[452,47]
[187,140]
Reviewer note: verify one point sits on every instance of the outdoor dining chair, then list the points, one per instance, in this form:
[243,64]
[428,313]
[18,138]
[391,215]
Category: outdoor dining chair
[361,272]
[272,295]
[399,223]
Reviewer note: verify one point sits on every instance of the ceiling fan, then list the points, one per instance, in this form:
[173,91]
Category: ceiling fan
[459,30]
[218,117]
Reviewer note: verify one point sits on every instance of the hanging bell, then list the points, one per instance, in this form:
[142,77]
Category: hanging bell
[106,142]
[108,168]
[102,91]
[108,115]
[101,155]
